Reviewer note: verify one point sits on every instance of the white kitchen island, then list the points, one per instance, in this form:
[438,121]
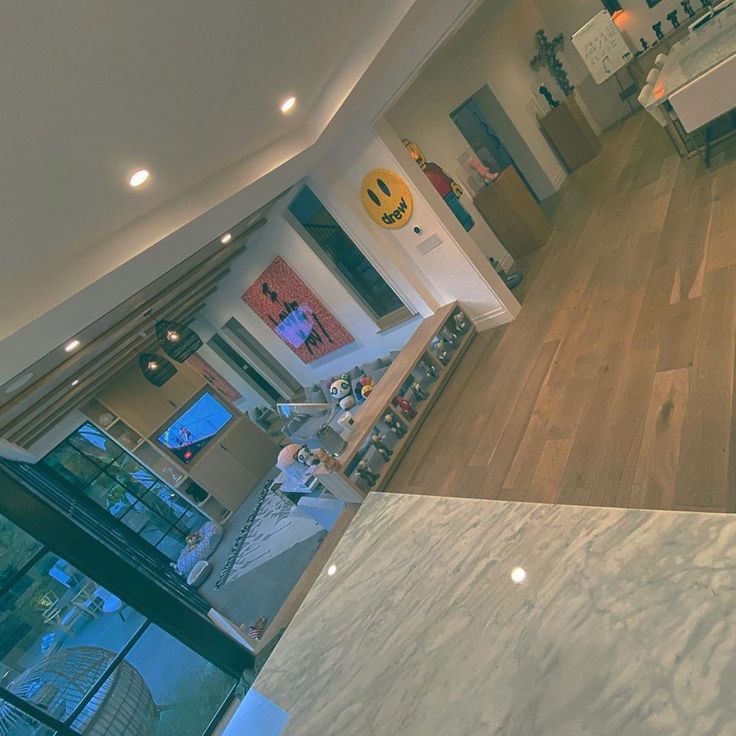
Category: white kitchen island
[623,623]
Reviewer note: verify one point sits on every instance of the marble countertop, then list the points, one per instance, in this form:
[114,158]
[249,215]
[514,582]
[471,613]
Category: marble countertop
[625,625]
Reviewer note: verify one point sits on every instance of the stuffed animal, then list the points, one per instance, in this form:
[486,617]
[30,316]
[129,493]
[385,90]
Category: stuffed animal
[342,392]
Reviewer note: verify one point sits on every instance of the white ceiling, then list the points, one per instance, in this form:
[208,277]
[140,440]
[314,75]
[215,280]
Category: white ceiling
[92,89]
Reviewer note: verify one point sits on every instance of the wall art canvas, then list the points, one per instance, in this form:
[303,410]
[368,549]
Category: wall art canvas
[293,311]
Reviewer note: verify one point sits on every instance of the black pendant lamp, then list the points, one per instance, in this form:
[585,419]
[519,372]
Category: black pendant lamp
[156,369]
[613,7]
[177,340]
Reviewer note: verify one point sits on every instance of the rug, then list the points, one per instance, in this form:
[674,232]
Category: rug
[274,526]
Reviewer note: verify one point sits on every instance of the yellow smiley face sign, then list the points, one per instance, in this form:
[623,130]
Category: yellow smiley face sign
[387,199]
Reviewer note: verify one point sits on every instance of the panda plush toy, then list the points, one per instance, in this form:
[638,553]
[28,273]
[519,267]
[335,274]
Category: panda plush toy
[342,392]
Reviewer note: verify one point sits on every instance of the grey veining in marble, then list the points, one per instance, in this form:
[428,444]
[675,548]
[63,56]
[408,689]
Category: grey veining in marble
[625,625]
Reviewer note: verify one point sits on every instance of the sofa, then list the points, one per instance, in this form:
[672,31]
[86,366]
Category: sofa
[211,535]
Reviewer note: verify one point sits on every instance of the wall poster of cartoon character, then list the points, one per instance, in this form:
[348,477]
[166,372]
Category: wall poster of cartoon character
[292,310]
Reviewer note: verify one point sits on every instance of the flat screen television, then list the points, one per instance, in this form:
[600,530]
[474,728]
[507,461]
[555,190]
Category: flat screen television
[193,429]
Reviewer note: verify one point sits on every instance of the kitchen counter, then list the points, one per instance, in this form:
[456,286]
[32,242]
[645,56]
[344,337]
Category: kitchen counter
[624,625]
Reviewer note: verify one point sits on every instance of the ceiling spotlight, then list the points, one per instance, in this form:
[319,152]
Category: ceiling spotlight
[288,104]
[332,569]
[226,238]
[152,365]
[75,382]
[71,346]
[139,177]
[173,336]
[518,575]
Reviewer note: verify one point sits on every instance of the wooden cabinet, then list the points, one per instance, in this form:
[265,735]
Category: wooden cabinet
[231,467]
[145,407]
[513,214]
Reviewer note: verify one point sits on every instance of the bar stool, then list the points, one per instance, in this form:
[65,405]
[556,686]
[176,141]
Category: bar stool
[653,76]
[660,60]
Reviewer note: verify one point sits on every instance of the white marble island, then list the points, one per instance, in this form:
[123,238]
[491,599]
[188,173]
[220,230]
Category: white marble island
[625,625]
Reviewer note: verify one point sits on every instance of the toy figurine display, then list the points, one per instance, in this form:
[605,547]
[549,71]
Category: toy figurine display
[658,32]
[366,473]
[419,393]
[644,44]
[441,350]
[462,325]
[687,8]
[363,388]
[551,101]
[405,407]
[450,337]
[672,18]
[377,440]
[342,392]
[430,370]
[394,425]
[447,187]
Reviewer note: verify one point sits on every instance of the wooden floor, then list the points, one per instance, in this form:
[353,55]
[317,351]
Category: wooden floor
[615,385]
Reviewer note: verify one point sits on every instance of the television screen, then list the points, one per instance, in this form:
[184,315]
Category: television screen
[195,427]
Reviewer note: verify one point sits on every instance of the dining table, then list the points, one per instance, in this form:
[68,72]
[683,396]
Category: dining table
[698,77]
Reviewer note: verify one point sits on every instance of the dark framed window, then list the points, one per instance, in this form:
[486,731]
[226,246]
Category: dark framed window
[76,659]
[101,470]
[345,259]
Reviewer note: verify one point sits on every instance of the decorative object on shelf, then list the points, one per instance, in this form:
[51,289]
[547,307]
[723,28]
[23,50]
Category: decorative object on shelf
[195,492]
[156,369]
[652,3]
[644,44]
[347,422]
[330,441]
[706,3]
[292,310]
[658,32]
[363,388]
[547,56]
[393,423]
[429,369]
[178,341]
[288,456]
[462,324]
[106,420]
[405,407]
[479,173]
[306,457]
[450,337]
[213,377]
[445,185]
[377,440]
[386,198]
[368,475]
[419,393]
[258,628]
[687,8]
[441,350]
[327,460]
[551,101]
[673,19]
[342,392]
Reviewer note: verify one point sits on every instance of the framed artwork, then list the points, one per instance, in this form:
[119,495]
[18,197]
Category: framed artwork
[293,311]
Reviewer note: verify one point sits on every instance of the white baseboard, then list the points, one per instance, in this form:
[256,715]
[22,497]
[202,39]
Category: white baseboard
[494,318]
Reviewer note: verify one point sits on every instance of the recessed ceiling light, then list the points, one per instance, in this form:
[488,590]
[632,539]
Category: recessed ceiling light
[71,346]
[288,104]
[332,569]
[75,382]
[518,575]
[139,177]
[226,238]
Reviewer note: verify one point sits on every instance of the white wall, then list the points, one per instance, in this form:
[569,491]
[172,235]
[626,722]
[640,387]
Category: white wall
[493,48]
[279,238]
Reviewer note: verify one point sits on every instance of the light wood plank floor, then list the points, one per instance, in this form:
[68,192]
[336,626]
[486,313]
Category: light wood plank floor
[615,385]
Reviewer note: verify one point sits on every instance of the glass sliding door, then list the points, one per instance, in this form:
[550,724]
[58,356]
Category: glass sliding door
[76,659]
[101,470]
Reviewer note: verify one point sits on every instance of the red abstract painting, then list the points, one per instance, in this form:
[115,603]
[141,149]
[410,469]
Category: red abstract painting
[292,310]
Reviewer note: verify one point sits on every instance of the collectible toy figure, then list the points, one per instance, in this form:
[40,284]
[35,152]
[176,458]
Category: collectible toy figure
[363,388]
[462,325]
[429,370]
[672,18]
[644,44]
[394,425]
[419,393]
[342,392]
[366,473]
[405,406]
[658,32]
[688,8]
[377,440]
[447,187]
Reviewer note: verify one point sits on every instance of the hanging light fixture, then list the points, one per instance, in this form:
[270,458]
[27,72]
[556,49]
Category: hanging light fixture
[613,7]
[177,340]
[156,369]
